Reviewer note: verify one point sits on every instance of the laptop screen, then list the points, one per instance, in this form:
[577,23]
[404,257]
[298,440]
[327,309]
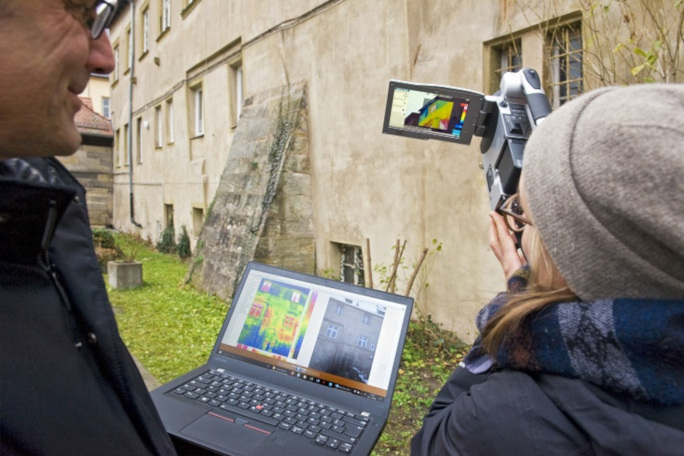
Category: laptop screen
[319,331]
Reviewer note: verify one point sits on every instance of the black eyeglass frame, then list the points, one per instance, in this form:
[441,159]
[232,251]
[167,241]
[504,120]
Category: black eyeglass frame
[507,212]
[104,15]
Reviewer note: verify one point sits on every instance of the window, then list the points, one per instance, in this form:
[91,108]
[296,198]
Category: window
[188,6]
[366,319]
[564,61]
[338,309]
[105,108]
[351,264]
[168,215]
[127,158]
[362,341]
[117,144]
[145,30]
[508,58]
[139,143]
[236,93]
[239,96]
[198,110]
[115,73]
[197,221]
[331,332]
[256,310]
[158,130]
[169,121]
[129,49]
[165,18]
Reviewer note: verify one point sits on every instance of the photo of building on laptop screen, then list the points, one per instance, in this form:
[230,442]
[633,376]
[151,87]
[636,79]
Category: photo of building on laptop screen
[417,110]
[315,333]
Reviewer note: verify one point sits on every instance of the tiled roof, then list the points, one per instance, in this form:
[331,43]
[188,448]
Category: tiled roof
[89,122]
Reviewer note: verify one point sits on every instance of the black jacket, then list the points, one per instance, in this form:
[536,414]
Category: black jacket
[67,382]
[513,413]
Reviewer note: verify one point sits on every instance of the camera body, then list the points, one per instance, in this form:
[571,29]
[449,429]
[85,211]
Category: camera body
[504,120]
[505,123]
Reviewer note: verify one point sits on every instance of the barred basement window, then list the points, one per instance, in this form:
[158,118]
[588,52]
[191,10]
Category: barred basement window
[351,265]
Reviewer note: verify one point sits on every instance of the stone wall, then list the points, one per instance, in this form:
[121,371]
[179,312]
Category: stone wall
[263,208]
[92,166]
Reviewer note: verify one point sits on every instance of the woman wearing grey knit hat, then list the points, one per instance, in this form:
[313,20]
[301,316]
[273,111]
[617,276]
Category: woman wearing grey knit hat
[584,354]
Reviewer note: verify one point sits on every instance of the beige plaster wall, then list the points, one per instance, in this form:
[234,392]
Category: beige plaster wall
[98,88]
[366,185]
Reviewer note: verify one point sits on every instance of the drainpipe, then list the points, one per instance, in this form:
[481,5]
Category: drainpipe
[131,79]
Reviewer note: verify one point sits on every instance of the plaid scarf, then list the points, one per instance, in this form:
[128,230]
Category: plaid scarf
[624,346]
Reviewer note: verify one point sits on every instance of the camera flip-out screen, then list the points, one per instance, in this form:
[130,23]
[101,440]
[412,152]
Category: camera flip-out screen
[431,112]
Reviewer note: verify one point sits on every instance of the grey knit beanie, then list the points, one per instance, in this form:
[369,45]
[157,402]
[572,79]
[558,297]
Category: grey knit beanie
[604,176]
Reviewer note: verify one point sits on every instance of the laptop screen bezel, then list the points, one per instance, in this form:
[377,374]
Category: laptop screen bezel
[305,388]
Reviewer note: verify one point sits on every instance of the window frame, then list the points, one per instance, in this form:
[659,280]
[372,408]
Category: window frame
[355,265]
[106,107]
[164,16]
[158,127]
[169,114]
[561,54]
[236,87]
[145,30]
[362,341]
[332,331]
[198,110]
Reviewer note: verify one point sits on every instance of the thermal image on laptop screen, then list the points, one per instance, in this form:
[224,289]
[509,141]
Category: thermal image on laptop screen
[319,334]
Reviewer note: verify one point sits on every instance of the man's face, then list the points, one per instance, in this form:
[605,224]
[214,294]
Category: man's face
[46,57]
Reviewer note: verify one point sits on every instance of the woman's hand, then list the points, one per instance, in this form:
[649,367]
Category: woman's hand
[502,243]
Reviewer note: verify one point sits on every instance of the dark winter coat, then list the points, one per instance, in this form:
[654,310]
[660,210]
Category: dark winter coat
[67,383]
[510,412]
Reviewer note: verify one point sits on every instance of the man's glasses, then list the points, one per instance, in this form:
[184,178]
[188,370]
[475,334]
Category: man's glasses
[512,213]
[104,15]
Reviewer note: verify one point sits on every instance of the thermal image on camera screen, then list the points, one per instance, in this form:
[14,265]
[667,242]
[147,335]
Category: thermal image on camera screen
[413,109]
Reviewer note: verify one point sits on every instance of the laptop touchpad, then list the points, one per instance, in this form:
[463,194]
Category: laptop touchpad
[224,434]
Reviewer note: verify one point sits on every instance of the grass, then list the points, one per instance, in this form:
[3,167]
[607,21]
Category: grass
[171,327]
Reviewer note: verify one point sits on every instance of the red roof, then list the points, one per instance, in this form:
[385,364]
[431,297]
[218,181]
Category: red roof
[89,122]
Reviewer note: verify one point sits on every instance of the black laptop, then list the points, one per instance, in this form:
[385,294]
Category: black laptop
[302,365]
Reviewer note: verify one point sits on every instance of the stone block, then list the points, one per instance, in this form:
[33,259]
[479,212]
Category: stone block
[124,276]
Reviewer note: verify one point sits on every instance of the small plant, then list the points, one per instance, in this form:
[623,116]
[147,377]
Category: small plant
[129,254]
[105,247]
[103,238]
[416,283]
[184,250]
[330,273]
[167,241]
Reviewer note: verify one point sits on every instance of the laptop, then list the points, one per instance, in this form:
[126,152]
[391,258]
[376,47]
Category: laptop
[302,365]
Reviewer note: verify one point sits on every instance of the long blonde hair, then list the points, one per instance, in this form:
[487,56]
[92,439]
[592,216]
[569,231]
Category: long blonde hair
[545,286]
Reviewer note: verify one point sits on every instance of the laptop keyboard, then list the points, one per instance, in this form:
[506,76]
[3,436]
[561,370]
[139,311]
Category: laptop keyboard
[327,426]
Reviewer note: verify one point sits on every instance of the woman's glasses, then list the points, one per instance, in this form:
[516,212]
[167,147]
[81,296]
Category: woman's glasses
[513,214]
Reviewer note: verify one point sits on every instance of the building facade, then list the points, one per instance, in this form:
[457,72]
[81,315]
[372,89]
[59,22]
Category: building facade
[186,68]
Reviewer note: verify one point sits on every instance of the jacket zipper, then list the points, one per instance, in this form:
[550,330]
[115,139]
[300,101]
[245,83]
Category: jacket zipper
[51,269]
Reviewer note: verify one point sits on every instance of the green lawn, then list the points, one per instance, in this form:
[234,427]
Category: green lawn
[171,327]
